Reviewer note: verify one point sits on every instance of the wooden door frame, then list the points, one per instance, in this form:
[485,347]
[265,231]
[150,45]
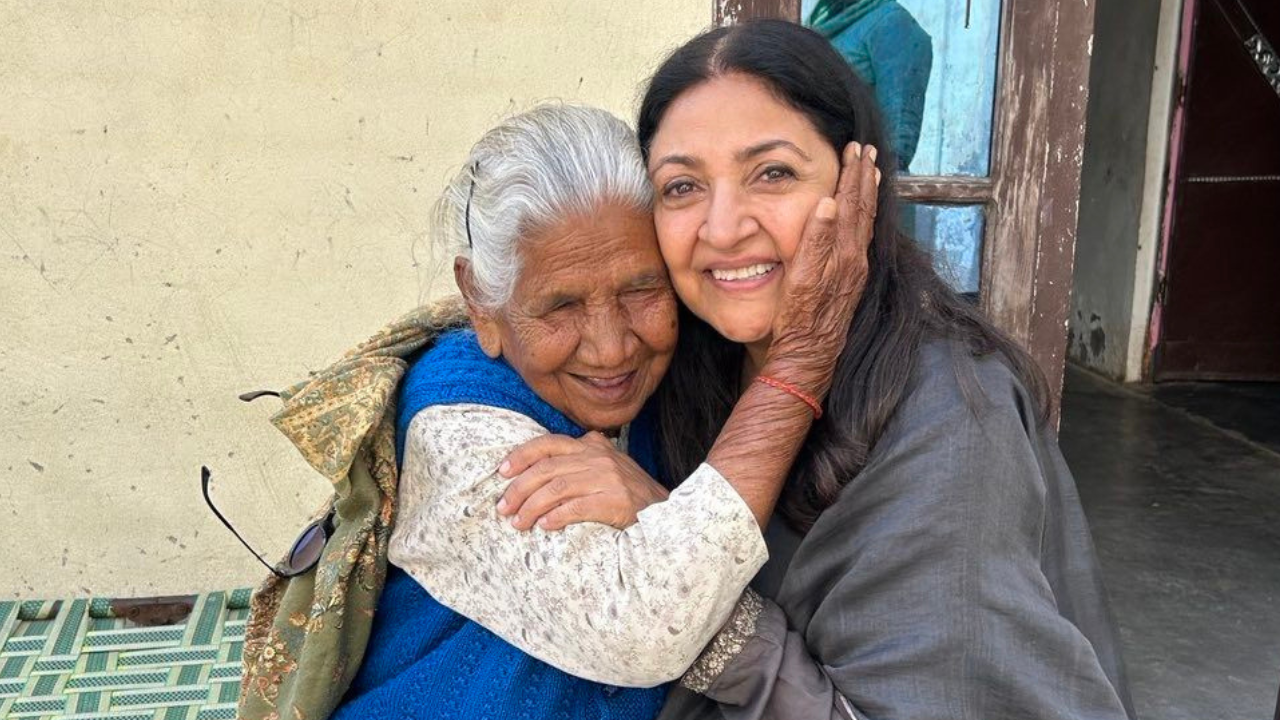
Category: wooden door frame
[1032,195]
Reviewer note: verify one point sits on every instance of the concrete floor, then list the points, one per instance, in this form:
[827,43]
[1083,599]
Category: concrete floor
[1186,516]
[1250,409]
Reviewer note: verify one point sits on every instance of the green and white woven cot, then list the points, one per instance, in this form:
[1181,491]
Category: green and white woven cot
[99,658]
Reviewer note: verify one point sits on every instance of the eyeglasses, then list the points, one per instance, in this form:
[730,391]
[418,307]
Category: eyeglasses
[306,550]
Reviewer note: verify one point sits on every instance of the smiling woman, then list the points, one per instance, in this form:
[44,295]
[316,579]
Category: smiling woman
[757,178]
[930,559]
[591,322]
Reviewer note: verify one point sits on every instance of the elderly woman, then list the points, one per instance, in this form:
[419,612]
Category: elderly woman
[574,325]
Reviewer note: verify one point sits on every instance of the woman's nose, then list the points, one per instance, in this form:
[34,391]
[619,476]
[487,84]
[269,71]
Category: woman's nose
[606,338]
[728,220]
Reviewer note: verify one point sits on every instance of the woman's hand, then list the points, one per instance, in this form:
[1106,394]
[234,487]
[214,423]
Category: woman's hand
[825,280]
[558,481]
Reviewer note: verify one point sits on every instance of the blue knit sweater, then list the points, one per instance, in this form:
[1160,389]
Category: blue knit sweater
[426,661]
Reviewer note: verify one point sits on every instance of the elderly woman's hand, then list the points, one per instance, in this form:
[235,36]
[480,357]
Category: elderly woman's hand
[558,481]
[825,280]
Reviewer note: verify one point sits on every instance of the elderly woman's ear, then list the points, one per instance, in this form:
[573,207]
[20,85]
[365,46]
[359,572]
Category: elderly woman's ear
[482,319]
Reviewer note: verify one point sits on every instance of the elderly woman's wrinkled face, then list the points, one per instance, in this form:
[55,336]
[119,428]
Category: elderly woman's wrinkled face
[591,326]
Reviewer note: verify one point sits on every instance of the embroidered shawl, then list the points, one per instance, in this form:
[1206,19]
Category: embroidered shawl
[306,636]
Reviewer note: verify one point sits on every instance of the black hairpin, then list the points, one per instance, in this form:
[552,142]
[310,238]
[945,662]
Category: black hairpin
[470,194]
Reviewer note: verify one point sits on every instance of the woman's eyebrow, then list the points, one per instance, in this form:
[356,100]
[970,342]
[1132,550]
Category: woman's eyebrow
[741,156]
[686,160]
[546,302]
[763,147]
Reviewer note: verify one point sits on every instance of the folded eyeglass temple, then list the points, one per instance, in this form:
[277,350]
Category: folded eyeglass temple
[205,476]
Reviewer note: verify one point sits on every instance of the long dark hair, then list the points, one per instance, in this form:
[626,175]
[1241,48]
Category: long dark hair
[904,303]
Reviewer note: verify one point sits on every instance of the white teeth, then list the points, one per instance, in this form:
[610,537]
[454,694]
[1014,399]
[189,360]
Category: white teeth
[745,273]
[607,382]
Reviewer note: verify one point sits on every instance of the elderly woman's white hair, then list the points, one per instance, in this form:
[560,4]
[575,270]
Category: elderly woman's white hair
[528,173]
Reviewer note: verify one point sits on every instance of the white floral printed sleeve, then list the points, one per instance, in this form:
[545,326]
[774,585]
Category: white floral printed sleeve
[630,607]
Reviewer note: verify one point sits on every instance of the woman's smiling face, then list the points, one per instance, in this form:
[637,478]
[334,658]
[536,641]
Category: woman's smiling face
[737,173]
[591,323]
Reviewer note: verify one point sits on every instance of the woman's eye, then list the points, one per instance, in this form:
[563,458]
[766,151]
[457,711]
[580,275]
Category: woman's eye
[776,173]
[679,188]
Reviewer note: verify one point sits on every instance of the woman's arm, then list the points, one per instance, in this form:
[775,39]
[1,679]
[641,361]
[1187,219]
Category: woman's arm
[757,668]
[626,607]
[921,594]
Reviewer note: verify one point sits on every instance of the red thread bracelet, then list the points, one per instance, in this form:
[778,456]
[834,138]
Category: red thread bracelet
[792,390]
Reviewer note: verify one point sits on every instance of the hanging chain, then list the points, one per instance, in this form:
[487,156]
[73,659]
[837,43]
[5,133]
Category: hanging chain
[1265,56]
[1255,43]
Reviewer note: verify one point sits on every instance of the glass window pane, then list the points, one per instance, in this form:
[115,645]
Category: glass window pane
[953,235]
[933,67]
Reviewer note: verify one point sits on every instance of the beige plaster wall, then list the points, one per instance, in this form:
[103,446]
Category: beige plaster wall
[198,199]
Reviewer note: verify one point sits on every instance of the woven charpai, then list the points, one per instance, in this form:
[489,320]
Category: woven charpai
[78,659]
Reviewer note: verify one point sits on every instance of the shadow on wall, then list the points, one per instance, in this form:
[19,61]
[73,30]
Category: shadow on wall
[1090,343]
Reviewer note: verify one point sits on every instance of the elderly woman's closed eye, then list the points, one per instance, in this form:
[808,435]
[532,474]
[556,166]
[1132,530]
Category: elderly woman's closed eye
[590,324]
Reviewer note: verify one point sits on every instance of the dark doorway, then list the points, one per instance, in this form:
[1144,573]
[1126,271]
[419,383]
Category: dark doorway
[1218,303]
